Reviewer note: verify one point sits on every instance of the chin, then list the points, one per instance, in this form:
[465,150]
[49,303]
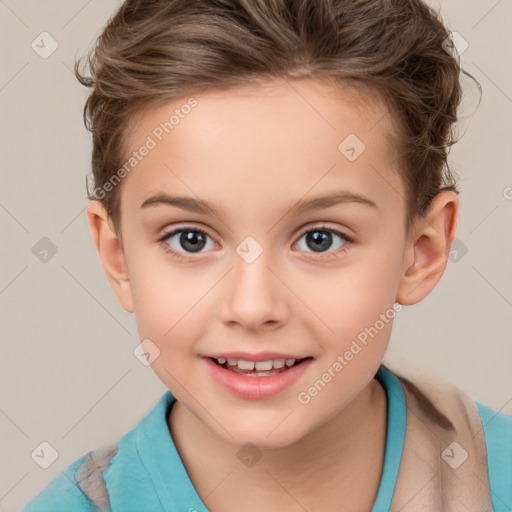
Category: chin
[265,437]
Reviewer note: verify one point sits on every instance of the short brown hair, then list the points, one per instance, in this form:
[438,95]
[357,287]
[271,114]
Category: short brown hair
[152,52]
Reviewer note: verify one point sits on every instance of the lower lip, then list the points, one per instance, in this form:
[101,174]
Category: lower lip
[256,388]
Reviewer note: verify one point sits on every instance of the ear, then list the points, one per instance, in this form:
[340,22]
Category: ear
[111,253]
[427,249]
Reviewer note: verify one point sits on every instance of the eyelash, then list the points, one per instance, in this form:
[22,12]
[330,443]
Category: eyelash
[332,255]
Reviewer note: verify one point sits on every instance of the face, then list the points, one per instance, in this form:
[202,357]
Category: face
[253,273]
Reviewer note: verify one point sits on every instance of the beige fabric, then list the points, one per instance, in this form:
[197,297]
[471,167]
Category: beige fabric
[89,476]
[434,474]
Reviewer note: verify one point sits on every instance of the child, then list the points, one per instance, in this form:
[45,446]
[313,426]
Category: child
[305,144]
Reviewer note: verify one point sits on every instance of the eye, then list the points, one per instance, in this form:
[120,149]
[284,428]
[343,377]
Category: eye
[186,240]
[189,238]
[320,238]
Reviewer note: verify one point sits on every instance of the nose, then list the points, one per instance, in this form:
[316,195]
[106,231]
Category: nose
[254,296]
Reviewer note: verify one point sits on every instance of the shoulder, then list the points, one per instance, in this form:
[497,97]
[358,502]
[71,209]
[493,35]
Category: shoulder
[116,471]
[497,426]
[486,433]
[80,486]
[498,439]
[62,494]
[438,402]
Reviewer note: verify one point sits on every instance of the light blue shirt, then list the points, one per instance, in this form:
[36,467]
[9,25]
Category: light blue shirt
[147,473]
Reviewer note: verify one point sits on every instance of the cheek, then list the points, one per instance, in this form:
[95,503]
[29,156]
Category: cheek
[352,297]
[359,313]
[353,318]
[156,295]
[170,303]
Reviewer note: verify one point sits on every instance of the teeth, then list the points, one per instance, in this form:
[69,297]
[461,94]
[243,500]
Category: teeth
[259,365]
[245,365]
[263,365]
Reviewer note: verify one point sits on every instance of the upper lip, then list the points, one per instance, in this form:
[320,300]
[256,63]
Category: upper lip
[260,356]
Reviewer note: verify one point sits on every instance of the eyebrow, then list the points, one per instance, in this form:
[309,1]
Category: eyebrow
[302,206]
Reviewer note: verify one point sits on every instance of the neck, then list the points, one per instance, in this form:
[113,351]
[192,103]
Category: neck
[348,449]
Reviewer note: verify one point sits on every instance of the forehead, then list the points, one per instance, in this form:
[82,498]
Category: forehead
[274,140]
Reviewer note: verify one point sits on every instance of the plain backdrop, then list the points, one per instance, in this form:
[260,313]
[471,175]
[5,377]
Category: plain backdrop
[68,375]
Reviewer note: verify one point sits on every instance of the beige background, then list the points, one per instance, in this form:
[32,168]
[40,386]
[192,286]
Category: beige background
[67,372]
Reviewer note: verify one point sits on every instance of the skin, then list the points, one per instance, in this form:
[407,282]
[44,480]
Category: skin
[253,153]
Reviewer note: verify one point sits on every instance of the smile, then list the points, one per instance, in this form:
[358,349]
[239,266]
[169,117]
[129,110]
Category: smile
[257,368]
[256,379]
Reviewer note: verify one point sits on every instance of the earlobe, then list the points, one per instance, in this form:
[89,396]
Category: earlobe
[111,253]
[427,251]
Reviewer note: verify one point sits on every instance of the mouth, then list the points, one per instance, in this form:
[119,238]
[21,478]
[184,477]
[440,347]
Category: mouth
[256,380]
[258,368]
